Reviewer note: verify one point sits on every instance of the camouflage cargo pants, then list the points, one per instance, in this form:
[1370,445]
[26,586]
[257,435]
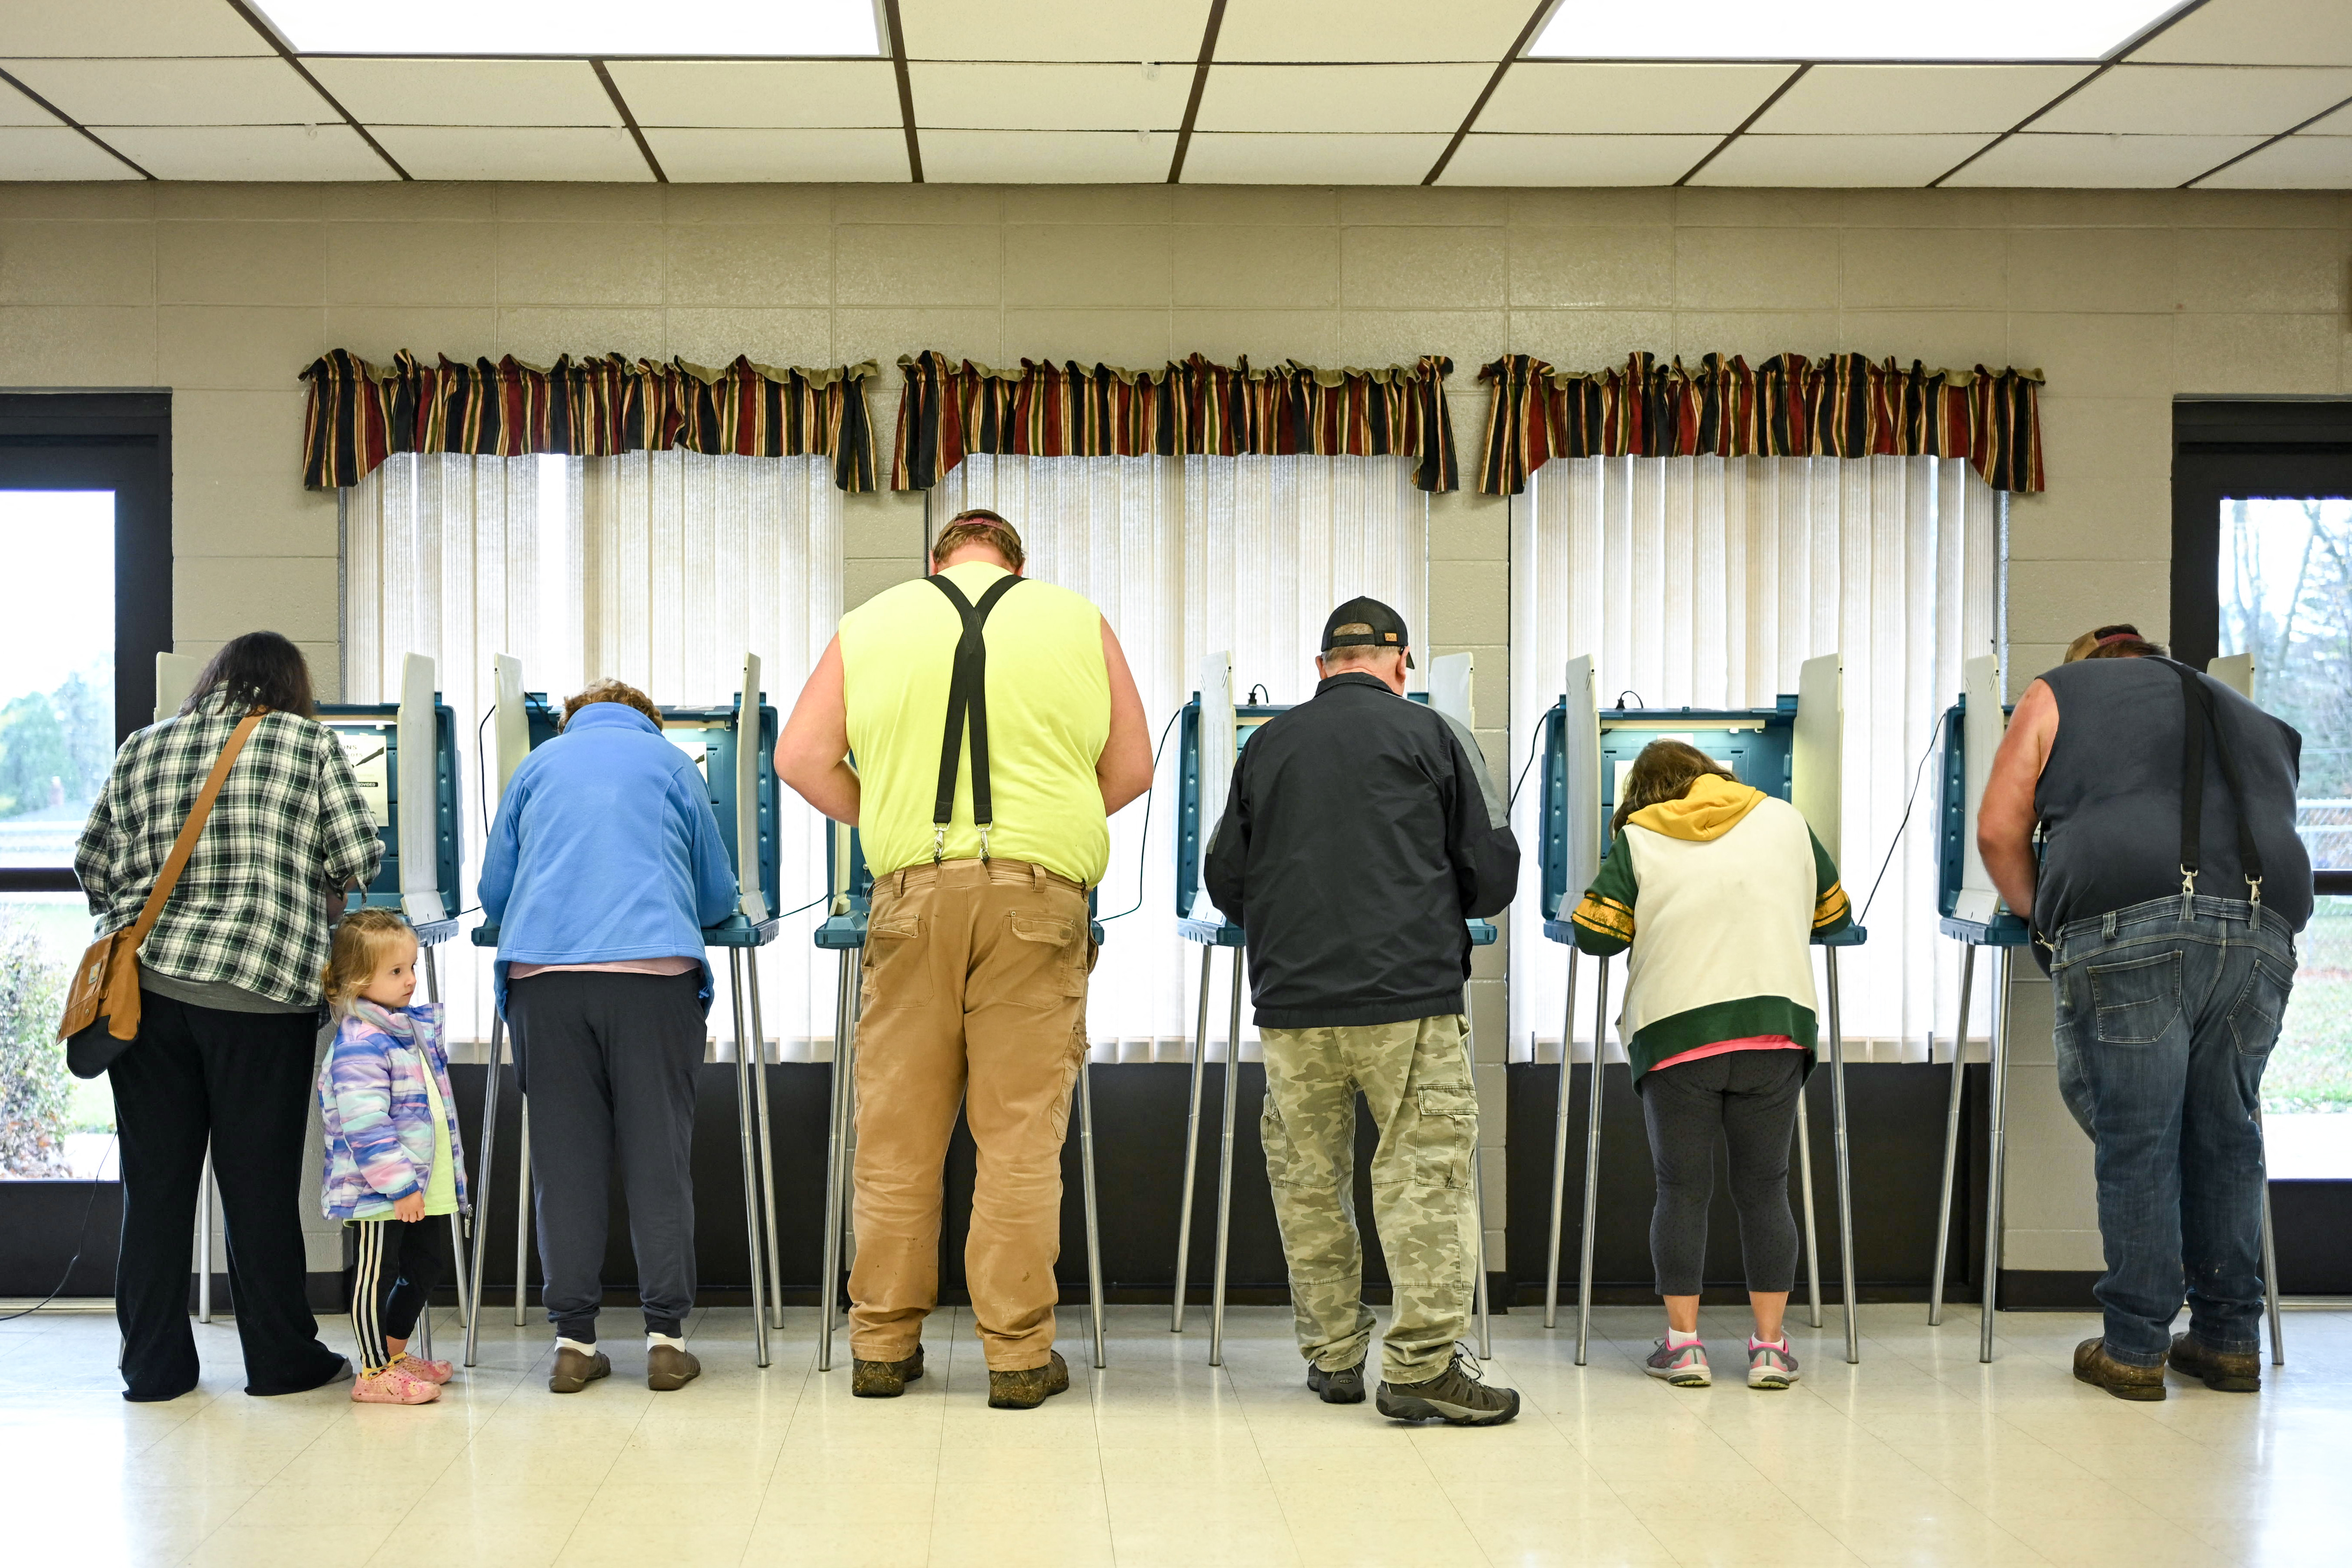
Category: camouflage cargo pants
[1418,1087]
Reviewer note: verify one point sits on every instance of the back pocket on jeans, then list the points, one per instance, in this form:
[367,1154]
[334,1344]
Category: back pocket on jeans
[2135,1002]
[2254,1019]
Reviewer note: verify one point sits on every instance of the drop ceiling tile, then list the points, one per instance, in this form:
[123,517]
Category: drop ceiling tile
[2257,33]
[467,92]
[1245,158]
[1896,100]
[768,94]
[1341,99]
[1565,98]
[175,92]
[1106,30]
[1828,160]
[1314,30]
[80,28]
[1489,160]
[2192,100]
[513,152]
[853,155]
[986,96]
[55,152]
[332,152]
[1047,157]
[2034,159]
[2298,163]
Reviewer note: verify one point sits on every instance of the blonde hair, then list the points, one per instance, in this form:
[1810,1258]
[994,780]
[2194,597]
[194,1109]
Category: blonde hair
[361,942]
[978,525]
[619,691]
[1664,770]
[2121,640]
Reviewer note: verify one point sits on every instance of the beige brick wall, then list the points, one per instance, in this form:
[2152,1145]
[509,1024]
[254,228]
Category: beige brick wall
[2126,298]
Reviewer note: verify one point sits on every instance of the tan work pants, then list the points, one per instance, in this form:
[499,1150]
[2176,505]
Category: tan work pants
[975,994]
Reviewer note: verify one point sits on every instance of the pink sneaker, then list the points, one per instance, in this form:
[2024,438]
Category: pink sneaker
[430,1370]
[395,1384]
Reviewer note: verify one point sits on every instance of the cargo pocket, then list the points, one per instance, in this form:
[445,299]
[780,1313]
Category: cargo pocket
[896,974]
[2134,1003]
[1060,976]
[2254,1017]
[1448,1136]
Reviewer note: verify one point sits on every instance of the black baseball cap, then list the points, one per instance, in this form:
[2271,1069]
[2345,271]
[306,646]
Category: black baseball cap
[1367,623]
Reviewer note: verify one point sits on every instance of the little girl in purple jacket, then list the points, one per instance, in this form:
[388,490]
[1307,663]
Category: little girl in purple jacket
[395,1170]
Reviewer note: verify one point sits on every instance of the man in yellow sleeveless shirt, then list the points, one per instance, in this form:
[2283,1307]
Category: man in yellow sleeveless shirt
[994,727]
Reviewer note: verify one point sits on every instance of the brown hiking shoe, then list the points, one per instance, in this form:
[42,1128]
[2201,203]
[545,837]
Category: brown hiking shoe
[668,1367]
[2094,1366]
[885,1379]
[2227,1371]
[574,1371]
[1455,1396]
[1029,1387]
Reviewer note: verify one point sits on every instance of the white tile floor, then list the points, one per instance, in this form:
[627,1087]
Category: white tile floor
[1918,1456]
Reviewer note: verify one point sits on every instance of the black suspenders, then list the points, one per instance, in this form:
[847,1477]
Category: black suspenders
[967,689]
[2198,719]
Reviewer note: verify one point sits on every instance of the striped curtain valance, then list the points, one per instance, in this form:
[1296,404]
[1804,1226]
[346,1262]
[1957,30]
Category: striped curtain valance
[952,409]
[595,407]
[1788,407]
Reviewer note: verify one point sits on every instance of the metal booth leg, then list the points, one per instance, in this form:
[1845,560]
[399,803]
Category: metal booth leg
[767,1146]
[836,1157]
[1951,1134]
[1805,1185]
[1845,1166]
[1477,1197]
[1997,1153]
[1225,1170]
[2270,1262]
[522,1220]
[745,1050]
[1560,1147]
[1591,1160]
[486,1149]
[1192,1147]
[1094,1214]
[204,1241]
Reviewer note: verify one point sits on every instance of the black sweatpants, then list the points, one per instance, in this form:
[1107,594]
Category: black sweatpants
[609,1063]
[400,1262]
[1748,1098]
[243,1081]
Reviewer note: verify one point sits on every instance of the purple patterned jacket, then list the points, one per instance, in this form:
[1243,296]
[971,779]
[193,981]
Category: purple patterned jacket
[379,1123]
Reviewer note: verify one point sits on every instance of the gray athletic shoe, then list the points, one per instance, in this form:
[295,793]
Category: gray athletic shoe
[1683,1366]
[1455,1396]
[1771,1366]
[1344,1385]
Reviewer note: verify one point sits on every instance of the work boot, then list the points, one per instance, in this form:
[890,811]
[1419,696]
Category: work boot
[2226,1372]
[668,1367]
[885,1379]
[1029,1387]
[2094,1366]
[575,1370]
[1455,1397]
[1340,1385]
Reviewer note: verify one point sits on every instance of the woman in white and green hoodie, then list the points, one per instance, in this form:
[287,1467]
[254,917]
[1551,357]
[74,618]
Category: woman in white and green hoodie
[1720,889]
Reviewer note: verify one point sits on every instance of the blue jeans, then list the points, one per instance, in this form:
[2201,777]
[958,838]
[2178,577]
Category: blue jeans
[2163,1027]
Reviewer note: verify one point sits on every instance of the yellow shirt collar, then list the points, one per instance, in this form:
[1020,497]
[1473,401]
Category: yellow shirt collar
[1712,808]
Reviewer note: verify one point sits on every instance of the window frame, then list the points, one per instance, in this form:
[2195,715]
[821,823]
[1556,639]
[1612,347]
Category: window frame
[119,441]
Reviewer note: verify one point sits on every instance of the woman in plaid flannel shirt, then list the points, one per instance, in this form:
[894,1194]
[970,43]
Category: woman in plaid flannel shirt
[230,1010]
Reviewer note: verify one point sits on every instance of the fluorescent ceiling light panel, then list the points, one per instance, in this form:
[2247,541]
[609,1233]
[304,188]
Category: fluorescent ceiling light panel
[506,27]
[1845,30]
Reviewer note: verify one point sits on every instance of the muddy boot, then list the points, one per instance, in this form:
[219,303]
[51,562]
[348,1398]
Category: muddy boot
[885,1379]
[1455,1397]
[2094,1366]
[1029,1387]
[2225,1372]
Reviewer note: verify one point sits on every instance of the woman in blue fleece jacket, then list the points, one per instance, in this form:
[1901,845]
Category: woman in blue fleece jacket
[603,868]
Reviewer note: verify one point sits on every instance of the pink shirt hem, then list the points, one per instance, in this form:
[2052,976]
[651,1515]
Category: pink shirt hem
[617,966]
[1725,1048]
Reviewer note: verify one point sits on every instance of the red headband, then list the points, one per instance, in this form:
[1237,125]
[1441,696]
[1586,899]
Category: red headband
[2118,636]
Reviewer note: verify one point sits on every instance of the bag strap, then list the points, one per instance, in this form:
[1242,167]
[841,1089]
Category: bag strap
[2198,716]
[967,691]
[185,845]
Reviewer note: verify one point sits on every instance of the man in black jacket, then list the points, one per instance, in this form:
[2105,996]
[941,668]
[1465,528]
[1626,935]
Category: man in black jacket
[1360,832]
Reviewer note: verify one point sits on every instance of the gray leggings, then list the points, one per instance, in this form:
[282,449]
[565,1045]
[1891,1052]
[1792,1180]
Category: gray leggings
[1748,1098]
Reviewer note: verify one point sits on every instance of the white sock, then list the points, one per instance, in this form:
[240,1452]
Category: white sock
[675,1341]
[1780,1344]
[585,1347]
[1676,1338]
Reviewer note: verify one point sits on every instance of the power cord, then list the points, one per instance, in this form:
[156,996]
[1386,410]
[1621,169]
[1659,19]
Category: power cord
[1533,746]
[1917,774]
[1143,849]
[81,1240]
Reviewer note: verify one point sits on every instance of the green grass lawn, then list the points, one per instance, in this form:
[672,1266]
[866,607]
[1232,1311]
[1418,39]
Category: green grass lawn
[2311,1069]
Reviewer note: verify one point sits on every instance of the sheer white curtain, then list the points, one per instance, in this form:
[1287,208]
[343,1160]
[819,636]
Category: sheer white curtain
[1706,582]
[1186,557]
[661,569]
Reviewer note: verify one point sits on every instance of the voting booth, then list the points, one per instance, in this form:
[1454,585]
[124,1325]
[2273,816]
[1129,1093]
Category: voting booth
[1210,733]
[1793,751]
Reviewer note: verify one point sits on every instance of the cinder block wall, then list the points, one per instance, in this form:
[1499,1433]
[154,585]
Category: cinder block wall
[2126,298]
